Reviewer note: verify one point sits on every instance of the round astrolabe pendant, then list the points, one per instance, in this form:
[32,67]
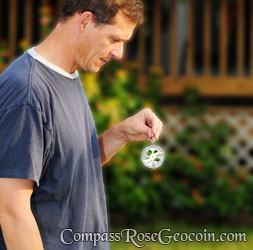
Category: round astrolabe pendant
[152,156]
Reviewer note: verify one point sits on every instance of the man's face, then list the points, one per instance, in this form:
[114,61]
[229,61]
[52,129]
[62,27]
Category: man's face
[101,43]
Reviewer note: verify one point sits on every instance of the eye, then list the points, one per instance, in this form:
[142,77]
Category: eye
[115,40]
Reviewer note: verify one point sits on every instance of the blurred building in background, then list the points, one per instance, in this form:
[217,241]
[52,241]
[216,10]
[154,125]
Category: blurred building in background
[202,41]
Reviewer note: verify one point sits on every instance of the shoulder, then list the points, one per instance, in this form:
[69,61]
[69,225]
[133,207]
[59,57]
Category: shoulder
[15,83]
[20,84]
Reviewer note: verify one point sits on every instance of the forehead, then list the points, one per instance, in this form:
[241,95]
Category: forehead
[121,27]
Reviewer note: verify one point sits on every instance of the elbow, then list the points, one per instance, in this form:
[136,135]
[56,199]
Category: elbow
[12,212]
[15,195]
[7,212]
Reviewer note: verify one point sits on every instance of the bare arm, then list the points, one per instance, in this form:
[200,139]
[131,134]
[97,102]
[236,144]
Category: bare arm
[19,227]
[110,142]
[139,127]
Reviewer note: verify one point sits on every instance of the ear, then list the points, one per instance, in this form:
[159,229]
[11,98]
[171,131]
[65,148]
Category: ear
[86,19]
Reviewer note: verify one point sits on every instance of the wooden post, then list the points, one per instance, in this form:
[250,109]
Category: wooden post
[157,34]
[207,37]
[59,3]
[251,39]
[240,37]
[13,27]
[141,49]
[190,39]
[141,56]
[173,38]
[1,19]
[28,20]
[44,2]
[223,37]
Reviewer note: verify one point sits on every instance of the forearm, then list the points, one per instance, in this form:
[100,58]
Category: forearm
[21,232]
[139,127]
[111,141]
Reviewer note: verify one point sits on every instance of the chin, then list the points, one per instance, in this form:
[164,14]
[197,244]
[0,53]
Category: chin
[96,70]
[91,70]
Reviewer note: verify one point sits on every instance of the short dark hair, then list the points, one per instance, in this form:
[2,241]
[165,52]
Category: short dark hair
[104,10]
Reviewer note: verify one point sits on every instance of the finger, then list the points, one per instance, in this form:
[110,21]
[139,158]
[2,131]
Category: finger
[155,128]
[153,122]
[154,132]
[160,128]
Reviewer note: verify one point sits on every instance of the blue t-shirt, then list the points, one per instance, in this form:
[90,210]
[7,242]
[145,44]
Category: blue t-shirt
[47,134]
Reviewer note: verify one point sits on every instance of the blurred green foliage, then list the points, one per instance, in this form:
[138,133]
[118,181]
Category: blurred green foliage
[203,179]
[113,96]
[198,181]
[181,227]
[4,54]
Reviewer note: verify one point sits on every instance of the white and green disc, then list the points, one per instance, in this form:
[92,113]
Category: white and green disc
[152,156]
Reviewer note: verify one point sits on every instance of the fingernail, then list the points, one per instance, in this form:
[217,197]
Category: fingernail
[155,136]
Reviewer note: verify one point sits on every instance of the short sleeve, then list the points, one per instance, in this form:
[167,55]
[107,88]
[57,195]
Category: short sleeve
[21,143]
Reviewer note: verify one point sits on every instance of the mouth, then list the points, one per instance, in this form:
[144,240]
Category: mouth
[104,61]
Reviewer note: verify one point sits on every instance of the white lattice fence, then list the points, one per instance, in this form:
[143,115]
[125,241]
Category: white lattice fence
[240,120]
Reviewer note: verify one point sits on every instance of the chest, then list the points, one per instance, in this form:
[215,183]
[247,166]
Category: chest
[73,125]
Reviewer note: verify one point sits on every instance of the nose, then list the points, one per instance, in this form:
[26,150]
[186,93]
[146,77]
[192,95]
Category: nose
[118,51]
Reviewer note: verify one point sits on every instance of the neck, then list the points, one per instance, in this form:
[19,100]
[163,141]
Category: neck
[58,49]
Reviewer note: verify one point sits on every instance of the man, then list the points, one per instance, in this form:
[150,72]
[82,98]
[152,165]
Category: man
[50,157]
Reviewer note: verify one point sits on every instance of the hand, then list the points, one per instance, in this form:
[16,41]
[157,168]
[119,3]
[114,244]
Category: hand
[142,126]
